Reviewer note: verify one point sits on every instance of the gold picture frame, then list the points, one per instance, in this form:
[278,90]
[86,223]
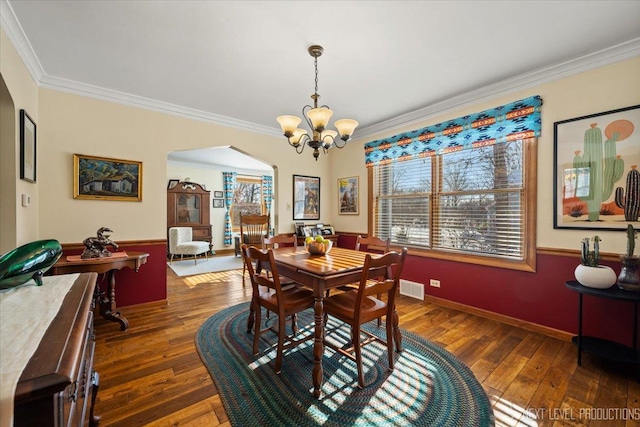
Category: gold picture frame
[103,178]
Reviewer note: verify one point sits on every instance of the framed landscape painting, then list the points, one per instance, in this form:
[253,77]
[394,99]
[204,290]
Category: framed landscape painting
[348,196]
[596,174]
[102,178]
[306,197]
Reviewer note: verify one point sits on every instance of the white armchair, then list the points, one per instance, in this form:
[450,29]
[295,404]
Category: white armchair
[181,243]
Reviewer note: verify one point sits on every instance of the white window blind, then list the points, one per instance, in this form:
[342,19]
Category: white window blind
[469,201]
[480,205]
[402,198]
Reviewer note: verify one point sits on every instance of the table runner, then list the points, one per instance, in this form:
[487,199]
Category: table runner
[25,315]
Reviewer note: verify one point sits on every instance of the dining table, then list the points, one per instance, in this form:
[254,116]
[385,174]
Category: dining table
[340,266]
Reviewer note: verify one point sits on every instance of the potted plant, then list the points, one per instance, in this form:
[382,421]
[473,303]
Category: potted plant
[628,278]
[589,272]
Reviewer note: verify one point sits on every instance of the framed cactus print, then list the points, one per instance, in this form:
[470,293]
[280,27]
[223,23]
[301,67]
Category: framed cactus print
[597,170]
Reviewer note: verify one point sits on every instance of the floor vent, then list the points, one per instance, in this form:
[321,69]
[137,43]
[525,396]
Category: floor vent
[412,289]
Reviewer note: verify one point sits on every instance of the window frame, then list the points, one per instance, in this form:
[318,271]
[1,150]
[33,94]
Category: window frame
[529,200]
[246,179]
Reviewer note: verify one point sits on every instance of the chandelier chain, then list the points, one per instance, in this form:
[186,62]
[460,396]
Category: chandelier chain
[315,63]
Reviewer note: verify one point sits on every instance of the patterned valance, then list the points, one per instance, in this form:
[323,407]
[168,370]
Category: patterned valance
[518,120]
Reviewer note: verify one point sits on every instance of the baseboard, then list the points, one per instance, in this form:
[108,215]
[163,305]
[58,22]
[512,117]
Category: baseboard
[225,252]
[529,326]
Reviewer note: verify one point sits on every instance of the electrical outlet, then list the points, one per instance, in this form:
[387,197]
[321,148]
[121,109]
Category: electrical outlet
[435,283]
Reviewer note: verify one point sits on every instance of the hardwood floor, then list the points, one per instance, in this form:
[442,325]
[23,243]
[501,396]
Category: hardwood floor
[151,375]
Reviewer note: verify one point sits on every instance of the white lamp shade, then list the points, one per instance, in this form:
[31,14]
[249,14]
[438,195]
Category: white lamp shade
[289,123]
[326,134]
[346,126]
[296,138]
[319,117]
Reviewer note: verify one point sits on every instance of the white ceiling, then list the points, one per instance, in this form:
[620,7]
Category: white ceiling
[242,63]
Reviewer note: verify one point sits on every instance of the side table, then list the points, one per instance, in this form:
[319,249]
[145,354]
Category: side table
[602,347]
[107,265]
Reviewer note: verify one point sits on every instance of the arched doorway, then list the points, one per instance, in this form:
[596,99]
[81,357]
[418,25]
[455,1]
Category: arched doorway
[205,166]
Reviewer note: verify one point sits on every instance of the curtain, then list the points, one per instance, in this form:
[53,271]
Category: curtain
[517,120]
[267,191]
[229,185]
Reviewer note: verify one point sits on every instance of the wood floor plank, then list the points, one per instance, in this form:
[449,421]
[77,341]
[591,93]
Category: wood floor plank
[151,374]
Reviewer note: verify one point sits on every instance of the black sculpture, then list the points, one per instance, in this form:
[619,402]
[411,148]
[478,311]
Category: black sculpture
[96,247]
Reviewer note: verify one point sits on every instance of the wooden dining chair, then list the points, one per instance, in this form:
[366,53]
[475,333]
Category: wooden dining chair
[279,240]
[269,293]
[366,244]
[253,228]
[276,242]
[358,308]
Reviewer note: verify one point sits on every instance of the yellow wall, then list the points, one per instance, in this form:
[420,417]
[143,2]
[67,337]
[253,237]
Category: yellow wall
[69,124]
[18,225]
[607,88]
[74,124]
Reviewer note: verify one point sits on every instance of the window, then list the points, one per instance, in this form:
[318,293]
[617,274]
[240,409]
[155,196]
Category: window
[247,199]
[470,205]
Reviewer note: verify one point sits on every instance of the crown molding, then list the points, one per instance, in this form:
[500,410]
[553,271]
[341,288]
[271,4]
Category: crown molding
[110,95]
[12,28]
[611,55]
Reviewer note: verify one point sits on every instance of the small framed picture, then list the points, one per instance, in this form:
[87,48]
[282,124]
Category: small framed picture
[218,194]
[27,147]
[348,195]
[218,203]
[172,183]
[328,231]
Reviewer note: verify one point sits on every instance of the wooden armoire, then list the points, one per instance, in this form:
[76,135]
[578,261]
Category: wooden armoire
[188,206]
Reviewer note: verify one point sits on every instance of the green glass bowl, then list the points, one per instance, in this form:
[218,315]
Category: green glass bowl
[27,262]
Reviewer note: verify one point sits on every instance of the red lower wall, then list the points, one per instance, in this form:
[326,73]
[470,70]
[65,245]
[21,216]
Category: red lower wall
[539,297]
[147,285]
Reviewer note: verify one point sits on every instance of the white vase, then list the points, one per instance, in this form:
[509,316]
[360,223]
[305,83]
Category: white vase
[600,277]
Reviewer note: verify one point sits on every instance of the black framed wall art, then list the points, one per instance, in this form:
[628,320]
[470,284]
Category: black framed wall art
[306,197]
[27,147]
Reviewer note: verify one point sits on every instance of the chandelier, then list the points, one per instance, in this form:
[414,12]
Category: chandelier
[317,118]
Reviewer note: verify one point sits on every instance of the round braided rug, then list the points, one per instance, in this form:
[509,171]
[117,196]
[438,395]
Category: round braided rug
[428,387]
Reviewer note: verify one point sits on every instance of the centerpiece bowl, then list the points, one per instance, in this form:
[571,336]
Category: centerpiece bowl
[317,248]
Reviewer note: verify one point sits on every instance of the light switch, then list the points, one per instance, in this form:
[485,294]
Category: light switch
[26,200]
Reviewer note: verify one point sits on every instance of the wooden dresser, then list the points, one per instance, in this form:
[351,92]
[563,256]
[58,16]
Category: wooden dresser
[188,205]
[58,386]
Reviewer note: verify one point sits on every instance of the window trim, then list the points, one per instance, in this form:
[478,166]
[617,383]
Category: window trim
[528,264]
[248,179]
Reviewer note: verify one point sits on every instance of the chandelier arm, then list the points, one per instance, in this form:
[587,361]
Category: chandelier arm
[300,144]
[339,142]
[304,114]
